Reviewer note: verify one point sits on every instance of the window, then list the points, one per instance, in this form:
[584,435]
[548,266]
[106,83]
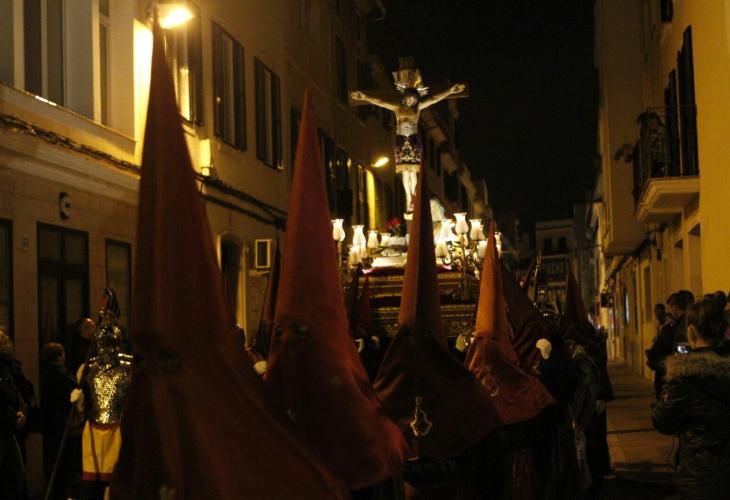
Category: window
[7,33]
[6,277]
[361,210]
[364,81]
[666,10]
[359,27]
[229,89]
[183,51]
[295,117]
[340,70]
[547,245]
[44,48]
[230,266]
[119,278]
[687,107]
[648,308]
[344,192]
[63,288]
[562,244]
[268,116]
[670,101]
[104,59]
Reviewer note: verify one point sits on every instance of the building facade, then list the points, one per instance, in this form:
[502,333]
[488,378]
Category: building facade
[555,240]
[664,75]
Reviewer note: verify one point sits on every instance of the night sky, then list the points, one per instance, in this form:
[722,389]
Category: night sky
[529,125]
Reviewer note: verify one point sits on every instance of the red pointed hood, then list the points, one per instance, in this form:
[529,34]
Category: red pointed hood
[574,310]
[188,357]
[517,395]
[438,403]
[314,371]
[525,284]
[527,323]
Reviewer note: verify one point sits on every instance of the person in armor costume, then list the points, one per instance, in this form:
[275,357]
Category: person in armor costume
[104,379]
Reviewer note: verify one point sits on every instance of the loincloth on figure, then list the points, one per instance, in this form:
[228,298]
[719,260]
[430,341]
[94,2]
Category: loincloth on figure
[408,153]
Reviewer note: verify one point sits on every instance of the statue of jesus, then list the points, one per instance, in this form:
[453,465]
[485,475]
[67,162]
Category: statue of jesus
[407,107]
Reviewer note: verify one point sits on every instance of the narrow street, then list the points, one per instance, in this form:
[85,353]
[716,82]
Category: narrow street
[642,458]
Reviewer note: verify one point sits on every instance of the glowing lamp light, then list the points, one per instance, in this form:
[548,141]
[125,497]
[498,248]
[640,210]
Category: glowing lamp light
[373,242]
[381,162]
[384,239]
[358,236]
[441,249]
[498,241]
[461,226]
[477,232]
[446,234]
[481,249]
[172,15]
[338,233]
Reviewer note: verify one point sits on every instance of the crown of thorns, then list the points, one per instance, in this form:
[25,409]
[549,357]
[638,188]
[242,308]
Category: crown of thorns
[407,79]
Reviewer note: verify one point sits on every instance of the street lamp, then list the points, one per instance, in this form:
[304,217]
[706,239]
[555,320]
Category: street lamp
[173,14]
[381,162]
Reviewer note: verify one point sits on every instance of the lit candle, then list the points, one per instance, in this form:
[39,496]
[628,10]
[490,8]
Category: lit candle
[338,233]
[358,236]
[461,226]
[476,233]
[373,242]
[481,249]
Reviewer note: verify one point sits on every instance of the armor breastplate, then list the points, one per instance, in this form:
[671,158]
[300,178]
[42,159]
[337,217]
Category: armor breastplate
[108,385]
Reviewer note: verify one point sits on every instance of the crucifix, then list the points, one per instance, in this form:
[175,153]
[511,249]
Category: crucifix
[410,97]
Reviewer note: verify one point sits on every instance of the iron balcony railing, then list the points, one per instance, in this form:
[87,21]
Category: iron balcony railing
[667,146]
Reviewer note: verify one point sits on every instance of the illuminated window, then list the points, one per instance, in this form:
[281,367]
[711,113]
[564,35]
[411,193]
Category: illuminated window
[229,89]
[183,51]
[104,59]
[43,31]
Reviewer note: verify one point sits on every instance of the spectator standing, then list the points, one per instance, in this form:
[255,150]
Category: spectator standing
[662,346]
[56,386]
[678,303]
[695,405]
[12,420]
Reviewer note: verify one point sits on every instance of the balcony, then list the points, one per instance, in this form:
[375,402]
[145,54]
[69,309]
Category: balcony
[664,185]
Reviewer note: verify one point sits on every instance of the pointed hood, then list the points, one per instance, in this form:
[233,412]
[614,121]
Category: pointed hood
[420,303]
[262,342]
[574,310]
[517,395]
[576,326]
[188,357]
[525,285]
[439,405]
[527,323]
[315,373]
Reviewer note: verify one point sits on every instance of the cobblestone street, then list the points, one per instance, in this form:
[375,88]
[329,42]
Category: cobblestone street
[642,458]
